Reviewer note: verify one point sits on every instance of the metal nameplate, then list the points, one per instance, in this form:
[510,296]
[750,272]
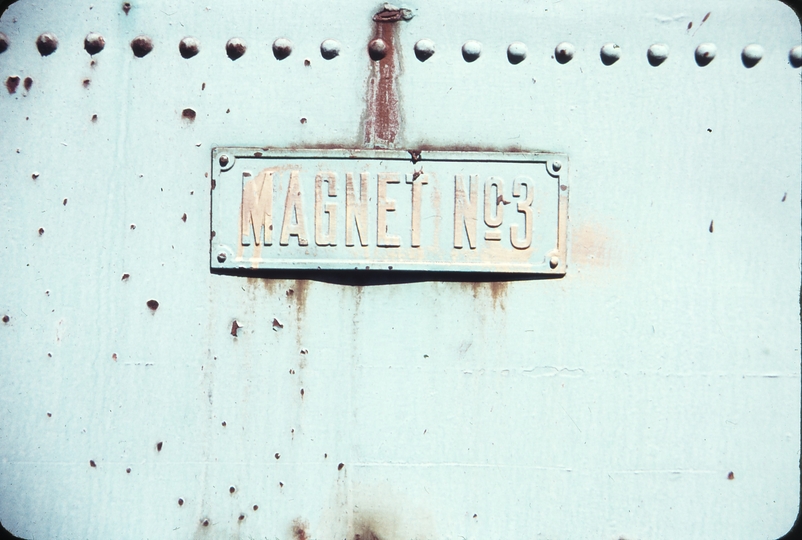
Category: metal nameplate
[389,210]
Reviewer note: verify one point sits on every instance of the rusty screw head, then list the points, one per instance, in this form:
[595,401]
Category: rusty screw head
[221,258]
[564,52]
[377,49]
[94,43]
[4,43]
[188,47]
[330,49]
[141,46]
[282,48]
[235,48]
[47,44]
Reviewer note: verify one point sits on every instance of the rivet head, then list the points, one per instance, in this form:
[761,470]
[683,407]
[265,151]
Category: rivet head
[235,48]
[188,47]
[94,43]
[141,45]
[223,160]
[556,166]
[330,49]
[282,48]
[794,56]
[424,49]
[377,49]
[610,54]
[221,257]
[751,55]
[4,42]
[657,54]
[47,44]
[471,50]
[554,262]
[516,52]
[705,53]
[564,52]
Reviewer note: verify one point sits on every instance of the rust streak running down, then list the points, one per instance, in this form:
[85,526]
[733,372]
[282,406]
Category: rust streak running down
[382,118]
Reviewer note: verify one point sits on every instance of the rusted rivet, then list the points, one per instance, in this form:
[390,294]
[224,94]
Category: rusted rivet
[424,49]
[255,507]
[556,166]
[6,318]
[235,48]
[554,262]
[657,54]
[751,55]
[141,45]
[126,7]
[223,160]
[188,47]
[516,52]
[610,54]
[794,56]
[232,489]
[221,257]
[47,44]
[128,470]
[282,48]
[377,49]
[704,54]
[94,43]
[471,50]
[153,305]
[329,49]
[4,43]
[564,52]
[205,522]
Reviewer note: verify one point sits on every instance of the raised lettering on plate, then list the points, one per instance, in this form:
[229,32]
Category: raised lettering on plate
[494,206]
[257,208]
[465,210]
[524,207]
[417,180]
[328,236]
[356,212]
[293,208]
[385,205]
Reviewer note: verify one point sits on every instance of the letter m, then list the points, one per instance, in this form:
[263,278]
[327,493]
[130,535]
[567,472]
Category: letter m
[257,208]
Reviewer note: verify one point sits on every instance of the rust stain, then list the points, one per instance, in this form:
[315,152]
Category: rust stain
[27,83]
[299,529]
[127,7]
[269,285]
[590,246]
[87,82]
[92,463]
[731,476]
[153,305]
[189,114]
[298,292]
[159,446]
[234,327]
[366,530]
[711,226]
[382,119]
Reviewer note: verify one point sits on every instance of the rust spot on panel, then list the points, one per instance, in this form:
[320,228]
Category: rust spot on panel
[128,470]
[731,476]
[303,120]
[785,195]
[12,83]
[153,305]
[180,502]
[125,277]
[277,455]
[241,517]
[255,507]
[302,393]
[366,530]
[281,484]
[224,423]
[92,463]
[6,318]
[126,7]
[232,489]
[711,226]
[133,226]
[277,325]
[382,118]
[87,82]
[184,218]
[94,118]
[234,327]
[690,25]
[340,466]
[307,63]
[205,523]
[159,446]
[41,231]
[27,83]
[292,371]
[299,527]
[415,155]
[498,290]
[188,114]
[299,293]
[304,351]
[707,16]
[49,415]
[64,202]
[114,356]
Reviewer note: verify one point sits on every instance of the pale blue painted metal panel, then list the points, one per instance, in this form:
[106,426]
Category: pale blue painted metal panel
[611,402]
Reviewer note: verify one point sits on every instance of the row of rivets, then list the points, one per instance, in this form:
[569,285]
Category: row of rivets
[610,53]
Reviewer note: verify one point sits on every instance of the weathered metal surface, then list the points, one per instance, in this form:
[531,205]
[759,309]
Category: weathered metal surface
[651,392]
[384,210]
